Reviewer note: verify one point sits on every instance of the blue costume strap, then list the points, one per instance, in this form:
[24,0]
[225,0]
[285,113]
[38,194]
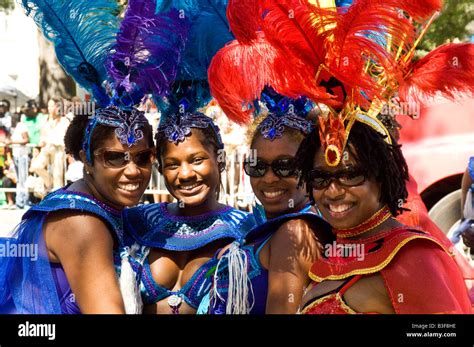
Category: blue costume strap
[27,281]
[153,226]
[259,214]
[63,199]
[255,240]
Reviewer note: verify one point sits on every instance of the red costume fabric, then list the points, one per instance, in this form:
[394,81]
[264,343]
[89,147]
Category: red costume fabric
[332,303]
[418,217]
[419,274]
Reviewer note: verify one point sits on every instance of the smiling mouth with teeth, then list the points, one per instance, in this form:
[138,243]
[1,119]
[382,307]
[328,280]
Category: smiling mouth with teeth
[129,187]
[273,194]
[189,187]
[340,208]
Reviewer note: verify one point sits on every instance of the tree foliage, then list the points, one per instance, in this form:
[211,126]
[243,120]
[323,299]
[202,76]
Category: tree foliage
[450,25]
[6,5]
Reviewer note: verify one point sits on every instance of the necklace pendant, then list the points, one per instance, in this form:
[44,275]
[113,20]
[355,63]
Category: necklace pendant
[174,301]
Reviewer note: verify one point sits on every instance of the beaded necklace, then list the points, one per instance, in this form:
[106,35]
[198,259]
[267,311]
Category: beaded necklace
[378,218]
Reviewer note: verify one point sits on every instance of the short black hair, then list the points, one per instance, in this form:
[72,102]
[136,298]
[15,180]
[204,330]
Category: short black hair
[209,139]
[75,135]
[31,104]
[208,135]
[383,162]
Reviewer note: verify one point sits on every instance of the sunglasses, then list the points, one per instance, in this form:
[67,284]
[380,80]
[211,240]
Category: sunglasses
[119,159]
[320,179]
[281,167]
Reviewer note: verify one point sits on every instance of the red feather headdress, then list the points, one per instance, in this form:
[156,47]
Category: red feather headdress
[352,60]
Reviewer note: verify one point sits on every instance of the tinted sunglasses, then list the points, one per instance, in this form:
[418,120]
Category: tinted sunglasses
[281,167]
[118,159]
[320,179]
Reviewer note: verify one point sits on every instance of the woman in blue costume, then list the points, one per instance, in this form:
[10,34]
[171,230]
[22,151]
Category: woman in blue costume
[78,229]
[267,271]
[180,239]
[183,237]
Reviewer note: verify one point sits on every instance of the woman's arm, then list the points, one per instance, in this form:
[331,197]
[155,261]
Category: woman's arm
[84,246]
[291,252]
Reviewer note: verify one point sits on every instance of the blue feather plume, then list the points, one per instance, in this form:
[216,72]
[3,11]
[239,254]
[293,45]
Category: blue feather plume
[147,53]
[189,7]
[82,33]
[209,32]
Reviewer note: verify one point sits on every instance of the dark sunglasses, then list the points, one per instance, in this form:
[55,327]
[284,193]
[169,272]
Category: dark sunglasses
[281,167]
[320,179]
[118,159]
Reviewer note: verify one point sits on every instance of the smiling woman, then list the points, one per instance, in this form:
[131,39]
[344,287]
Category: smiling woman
[192,169]
[182,238]
[395,264]
[281,248]
[78,228]
[179,240]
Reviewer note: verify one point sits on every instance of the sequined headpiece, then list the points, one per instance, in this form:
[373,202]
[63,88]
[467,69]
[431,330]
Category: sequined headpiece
[284,112]
[128,126]
[177,126]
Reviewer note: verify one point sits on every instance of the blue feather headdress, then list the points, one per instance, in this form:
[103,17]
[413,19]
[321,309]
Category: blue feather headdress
[209,31]
[82,33]
[161,47]
[148,50]
[138,56]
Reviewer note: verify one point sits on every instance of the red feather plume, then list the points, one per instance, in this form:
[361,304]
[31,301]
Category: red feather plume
[288,27]
[449,70]
[243,19]
[239,72]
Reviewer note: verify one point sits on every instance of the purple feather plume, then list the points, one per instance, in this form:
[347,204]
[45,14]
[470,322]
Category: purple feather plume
[148,50]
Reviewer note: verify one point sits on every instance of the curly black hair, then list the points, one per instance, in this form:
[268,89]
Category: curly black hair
[383,162]
[75,135]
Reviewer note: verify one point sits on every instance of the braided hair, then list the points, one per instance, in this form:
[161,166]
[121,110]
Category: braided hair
[383,162]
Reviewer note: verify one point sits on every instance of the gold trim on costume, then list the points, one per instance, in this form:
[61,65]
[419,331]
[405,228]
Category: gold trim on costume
[344,306]
[376,268]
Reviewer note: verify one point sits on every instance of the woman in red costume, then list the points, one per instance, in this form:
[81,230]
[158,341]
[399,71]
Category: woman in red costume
[377,264]
[355,61]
